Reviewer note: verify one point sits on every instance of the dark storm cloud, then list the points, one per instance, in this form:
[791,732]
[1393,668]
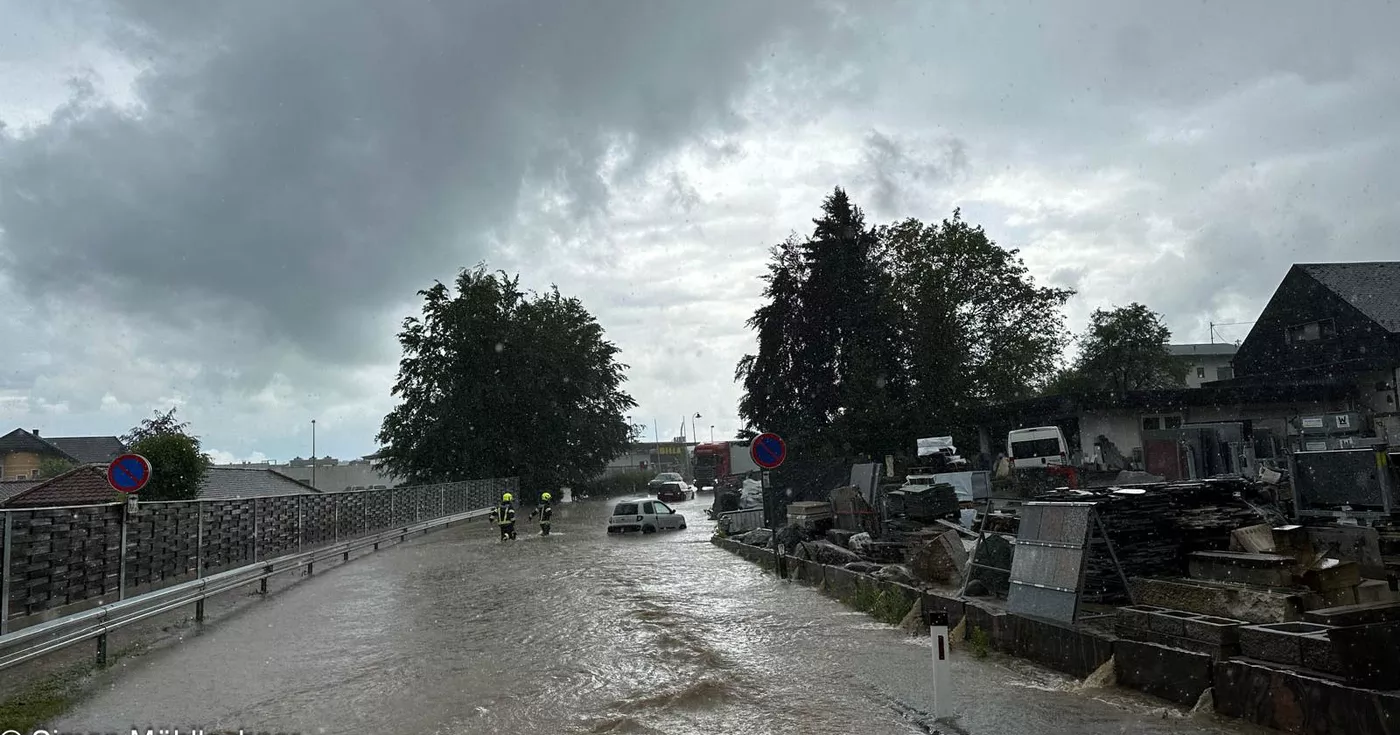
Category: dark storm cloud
[301,165]
[892,165]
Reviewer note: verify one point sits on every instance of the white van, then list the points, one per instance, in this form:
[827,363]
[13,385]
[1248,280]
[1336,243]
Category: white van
[1037,447]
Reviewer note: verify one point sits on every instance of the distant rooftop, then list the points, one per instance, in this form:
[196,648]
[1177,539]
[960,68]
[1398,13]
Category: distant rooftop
[1370,287]
[1218,348]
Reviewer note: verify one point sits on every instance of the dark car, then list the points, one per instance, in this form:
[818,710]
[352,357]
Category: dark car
[662,479]
[672,492]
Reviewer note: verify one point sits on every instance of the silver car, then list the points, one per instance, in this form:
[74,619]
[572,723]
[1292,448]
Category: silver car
[647,515]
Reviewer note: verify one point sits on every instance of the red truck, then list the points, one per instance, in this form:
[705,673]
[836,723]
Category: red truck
[722,464]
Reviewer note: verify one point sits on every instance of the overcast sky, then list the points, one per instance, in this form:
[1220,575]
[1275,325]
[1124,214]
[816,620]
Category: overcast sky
[228,206]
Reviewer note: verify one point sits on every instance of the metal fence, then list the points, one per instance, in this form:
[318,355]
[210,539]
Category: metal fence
[64,560]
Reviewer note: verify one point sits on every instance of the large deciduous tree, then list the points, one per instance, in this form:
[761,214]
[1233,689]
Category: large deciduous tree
[495,382]
[871,337]
[1125,348]
[178,462]
[975,326]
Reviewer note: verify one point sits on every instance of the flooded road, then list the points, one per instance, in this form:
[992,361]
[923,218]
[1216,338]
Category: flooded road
[579,632]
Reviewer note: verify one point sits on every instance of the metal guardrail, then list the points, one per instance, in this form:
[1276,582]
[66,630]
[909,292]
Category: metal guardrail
[43,638]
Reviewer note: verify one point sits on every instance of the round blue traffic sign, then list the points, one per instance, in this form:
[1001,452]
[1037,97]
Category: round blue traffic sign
[768,450]
[129,473]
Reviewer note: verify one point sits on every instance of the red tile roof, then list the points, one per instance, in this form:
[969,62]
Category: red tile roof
[85,485]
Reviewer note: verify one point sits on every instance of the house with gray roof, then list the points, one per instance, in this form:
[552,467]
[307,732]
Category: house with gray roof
[227,483]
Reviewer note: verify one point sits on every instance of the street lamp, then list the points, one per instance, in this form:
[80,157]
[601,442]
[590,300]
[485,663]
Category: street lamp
[313,453]
[712,433]
[693,433]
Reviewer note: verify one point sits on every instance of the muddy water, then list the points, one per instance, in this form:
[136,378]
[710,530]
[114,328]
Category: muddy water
[579,632]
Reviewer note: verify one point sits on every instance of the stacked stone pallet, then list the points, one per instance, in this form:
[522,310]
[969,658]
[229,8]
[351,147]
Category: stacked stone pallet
[1154,526]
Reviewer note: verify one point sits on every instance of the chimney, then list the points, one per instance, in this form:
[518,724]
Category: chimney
[35,432]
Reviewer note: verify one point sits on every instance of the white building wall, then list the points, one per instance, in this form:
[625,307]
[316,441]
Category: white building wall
[1122,427]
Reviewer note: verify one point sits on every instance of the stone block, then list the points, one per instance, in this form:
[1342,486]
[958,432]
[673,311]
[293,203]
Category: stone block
[1213,630]
[1299,703]
[984,617]
[1185,644]
[1265,570]
[1360,614]
[1365,654]
[1075,651]
[1319,654]
[1170,673]
[954,607]
[1375,590]
[1333,575]
[1170,622]
[1134,617]
[1276,642]
[941,560]
[1220,600]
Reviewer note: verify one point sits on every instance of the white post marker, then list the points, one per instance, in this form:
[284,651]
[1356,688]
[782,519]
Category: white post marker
[942,664]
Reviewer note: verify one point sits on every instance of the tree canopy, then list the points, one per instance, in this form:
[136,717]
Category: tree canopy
[1123,349]
[870,337]
[178,462]
[496,382]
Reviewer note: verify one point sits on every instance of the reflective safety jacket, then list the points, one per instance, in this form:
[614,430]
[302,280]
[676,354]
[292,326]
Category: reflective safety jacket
[545,509]
[505,514]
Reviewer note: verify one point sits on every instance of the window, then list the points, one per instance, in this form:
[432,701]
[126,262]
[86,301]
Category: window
[647,509]
[34,474]
[1317,331]
[1035,448]
[663,509]
[1155,423]
[625,509]
[1200,372]
[1224,373]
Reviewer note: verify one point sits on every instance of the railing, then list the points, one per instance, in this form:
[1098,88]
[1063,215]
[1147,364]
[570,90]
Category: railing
[101,566]
[738,521]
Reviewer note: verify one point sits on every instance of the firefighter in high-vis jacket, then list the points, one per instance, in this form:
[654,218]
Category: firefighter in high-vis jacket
[505,516]
[545,510]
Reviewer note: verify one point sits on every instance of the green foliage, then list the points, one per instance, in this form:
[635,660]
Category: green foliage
[178,463]
[495,382]
[1123,349]
[54,466]
[886,606]
[890,607]
[161,424]
[177,466]
[631,482]
[871,337]
[981,641]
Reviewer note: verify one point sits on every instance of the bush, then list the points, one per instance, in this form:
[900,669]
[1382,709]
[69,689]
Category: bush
[981,642]
[631,482]
[177,466]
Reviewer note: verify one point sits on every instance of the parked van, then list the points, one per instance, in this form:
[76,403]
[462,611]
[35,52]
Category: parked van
[1037,447]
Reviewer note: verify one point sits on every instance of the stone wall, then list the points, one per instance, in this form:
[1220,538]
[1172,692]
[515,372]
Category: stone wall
[1281,698]
[66,559]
